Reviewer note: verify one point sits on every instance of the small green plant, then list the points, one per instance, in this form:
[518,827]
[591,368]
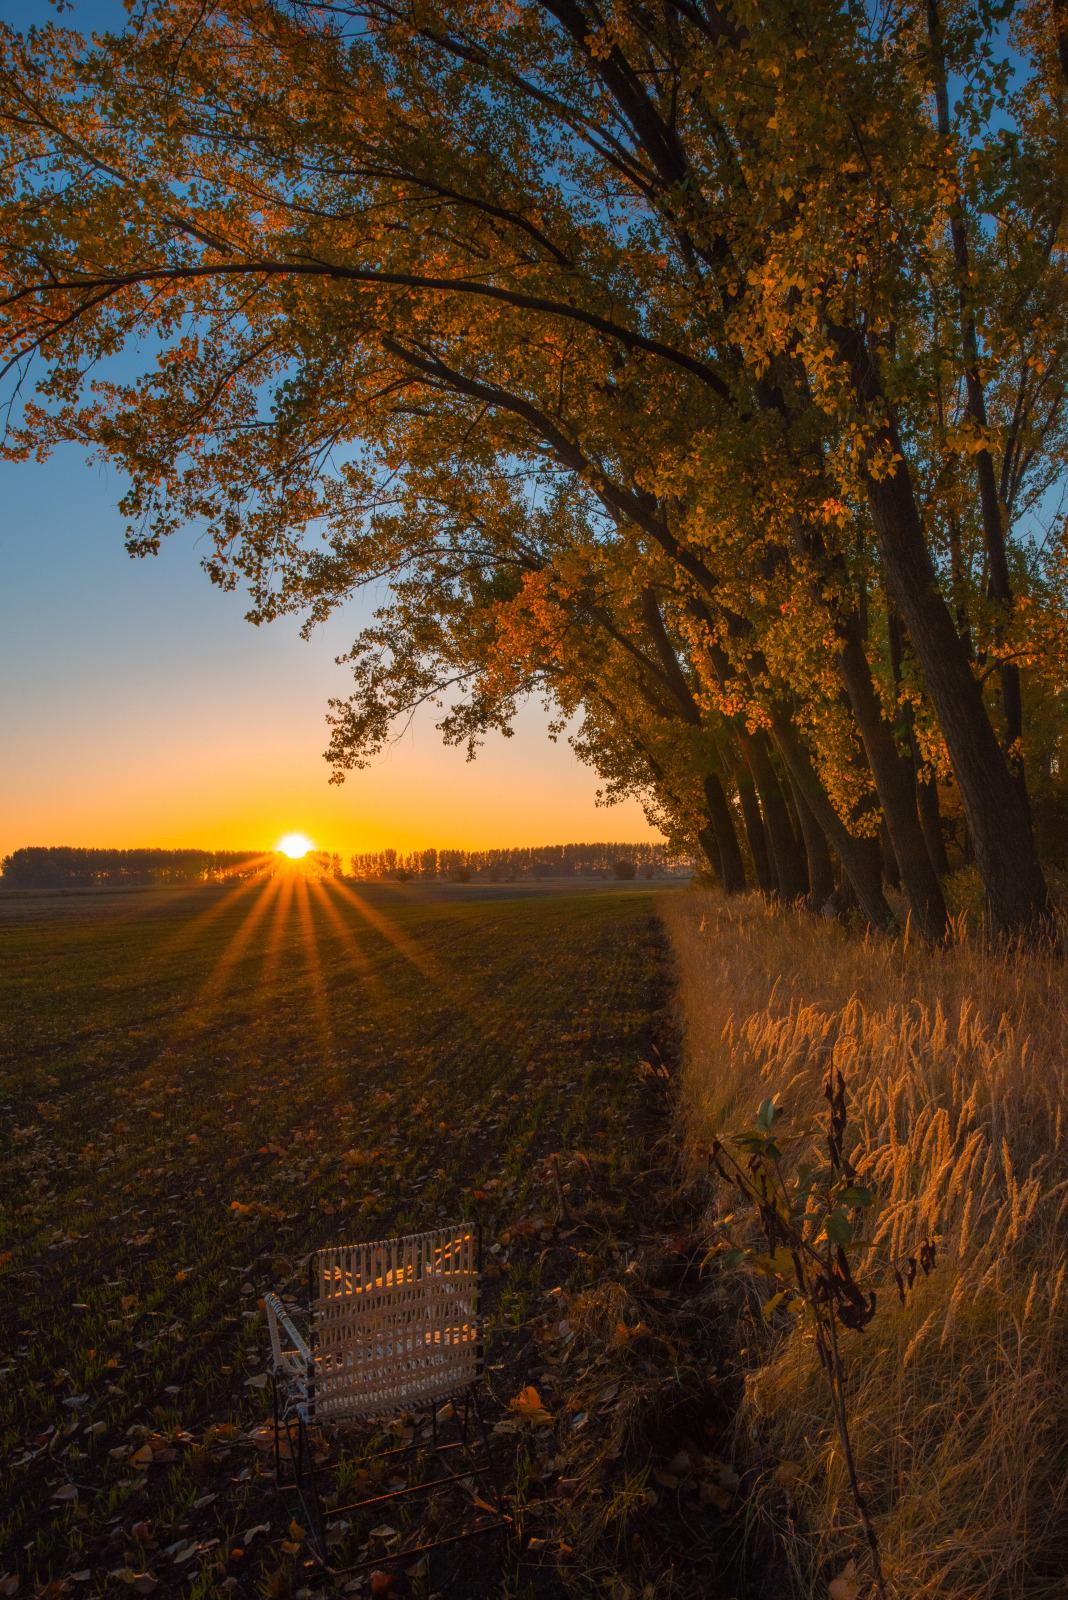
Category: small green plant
[808,1221]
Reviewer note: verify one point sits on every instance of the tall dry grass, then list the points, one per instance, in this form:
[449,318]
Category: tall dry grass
[958,1087]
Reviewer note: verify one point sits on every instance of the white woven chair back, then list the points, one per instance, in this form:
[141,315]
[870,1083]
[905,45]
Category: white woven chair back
[396,1322]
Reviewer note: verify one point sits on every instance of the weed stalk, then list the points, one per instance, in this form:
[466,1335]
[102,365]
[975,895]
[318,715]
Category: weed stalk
[807,1222]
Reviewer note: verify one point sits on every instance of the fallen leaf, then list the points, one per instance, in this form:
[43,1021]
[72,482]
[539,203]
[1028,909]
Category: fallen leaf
[297,1532]
[142,1457]
[787,1473]
[250,1533]
[845,1586]
[69,1491]
[529,1403]
[260,1381]
[381,1581]
[623,1334]
[712,1494]
[666,1479]
[383,1531]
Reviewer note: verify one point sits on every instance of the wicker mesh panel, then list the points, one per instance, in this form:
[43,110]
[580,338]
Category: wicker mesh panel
[395,1322]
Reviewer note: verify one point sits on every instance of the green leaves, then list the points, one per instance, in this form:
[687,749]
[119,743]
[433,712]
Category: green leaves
[836,1228]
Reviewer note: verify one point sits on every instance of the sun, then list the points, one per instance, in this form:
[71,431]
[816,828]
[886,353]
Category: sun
[294,845]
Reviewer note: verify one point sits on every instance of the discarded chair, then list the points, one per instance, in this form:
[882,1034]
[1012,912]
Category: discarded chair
[393,1326]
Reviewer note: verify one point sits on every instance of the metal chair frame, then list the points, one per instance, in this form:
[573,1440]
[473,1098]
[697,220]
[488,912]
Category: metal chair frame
[393,1325]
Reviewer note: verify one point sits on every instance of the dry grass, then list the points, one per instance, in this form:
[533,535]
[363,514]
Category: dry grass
[958,1085]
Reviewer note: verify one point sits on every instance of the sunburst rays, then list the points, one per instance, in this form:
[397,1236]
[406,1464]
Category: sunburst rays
[405,946]
[263,867]
[313,963]
[296,929]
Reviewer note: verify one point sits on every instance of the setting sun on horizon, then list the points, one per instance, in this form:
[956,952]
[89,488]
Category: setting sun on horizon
[294,845]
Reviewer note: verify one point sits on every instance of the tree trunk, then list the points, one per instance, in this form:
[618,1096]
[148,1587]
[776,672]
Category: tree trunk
[853,853]
[931,822]
[820,868]
[732,867]
[754,824]
[894,786]
[1018,901]
[1000,582]
[710,845]
[926,787]
[786,858]
[891,871]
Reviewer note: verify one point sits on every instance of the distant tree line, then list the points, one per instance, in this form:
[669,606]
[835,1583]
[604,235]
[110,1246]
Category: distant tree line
[64,867]
[530,861]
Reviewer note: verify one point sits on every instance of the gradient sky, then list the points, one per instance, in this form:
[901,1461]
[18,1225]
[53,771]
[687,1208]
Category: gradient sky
[137,707]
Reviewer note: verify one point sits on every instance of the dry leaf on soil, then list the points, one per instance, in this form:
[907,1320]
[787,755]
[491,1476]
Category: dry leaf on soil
[845,1586]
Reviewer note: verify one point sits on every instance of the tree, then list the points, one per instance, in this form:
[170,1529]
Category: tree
[693,260]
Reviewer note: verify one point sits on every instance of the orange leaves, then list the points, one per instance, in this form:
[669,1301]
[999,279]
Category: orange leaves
[354,1159]
[529,1406]
[623,1335]
[254,1212]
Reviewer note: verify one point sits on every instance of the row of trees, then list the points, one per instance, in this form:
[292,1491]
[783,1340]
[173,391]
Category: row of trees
[533,861]
[64,867]
[699,367]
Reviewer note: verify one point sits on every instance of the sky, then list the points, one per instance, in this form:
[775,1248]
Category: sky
[137,707]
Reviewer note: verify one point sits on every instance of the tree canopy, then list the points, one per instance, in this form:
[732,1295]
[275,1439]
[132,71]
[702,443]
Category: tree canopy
[700,367]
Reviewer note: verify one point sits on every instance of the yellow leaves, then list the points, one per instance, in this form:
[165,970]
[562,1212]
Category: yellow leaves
[528,1405]
[297,1536]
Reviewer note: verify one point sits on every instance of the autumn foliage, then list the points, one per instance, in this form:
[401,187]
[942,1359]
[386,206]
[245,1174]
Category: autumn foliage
[699,368]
